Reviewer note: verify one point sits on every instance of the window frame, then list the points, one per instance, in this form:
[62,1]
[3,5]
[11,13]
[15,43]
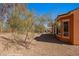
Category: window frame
[57,27]
[66,20]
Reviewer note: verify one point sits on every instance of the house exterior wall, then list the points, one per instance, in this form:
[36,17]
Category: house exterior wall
[68,39]
[76,27]
[73,27]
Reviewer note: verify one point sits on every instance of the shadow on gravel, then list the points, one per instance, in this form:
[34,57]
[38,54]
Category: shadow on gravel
[49,38]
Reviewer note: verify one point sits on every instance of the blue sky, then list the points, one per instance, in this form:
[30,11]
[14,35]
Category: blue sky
[54,9]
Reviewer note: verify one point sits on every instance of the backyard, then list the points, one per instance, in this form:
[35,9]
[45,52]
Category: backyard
[41,44]
[26,31]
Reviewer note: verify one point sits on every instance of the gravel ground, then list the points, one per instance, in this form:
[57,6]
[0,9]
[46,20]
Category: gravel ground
[42,45]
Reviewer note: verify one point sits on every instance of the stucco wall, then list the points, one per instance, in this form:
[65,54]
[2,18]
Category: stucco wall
[76,27]
[73,17]
[68,17]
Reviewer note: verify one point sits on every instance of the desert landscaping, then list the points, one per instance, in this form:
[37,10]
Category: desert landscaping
[41,44]
[25,31]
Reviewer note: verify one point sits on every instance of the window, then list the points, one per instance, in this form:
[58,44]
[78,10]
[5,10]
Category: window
[58,28]
[65,24]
